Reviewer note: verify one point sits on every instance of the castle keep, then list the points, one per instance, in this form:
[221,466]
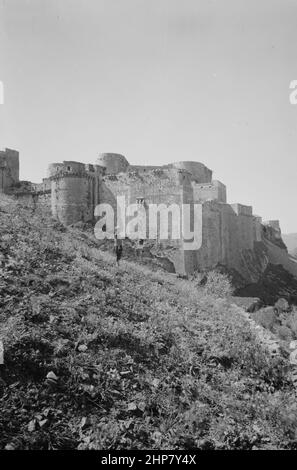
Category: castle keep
[231,234]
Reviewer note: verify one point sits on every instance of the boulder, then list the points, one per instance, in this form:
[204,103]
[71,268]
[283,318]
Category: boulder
[249,304]
[282,305]
[267,317]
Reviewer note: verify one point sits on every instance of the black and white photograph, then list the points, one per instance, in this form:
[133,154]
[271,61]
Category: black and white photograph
[148,229]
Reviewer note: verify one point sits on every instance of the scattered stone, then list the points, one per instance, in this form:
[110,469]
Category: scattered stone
[43,422]
[82,347]
[85,422]
[282,305]
[51,379]
[249,304]
[267,317]
[10,446]
[293,358]
[51,375]
[46,412]
[32,425]
[293,344]
[132,406]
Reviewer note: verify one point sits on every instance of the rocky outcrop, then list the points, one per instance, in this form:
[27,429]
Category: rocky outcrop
[275,282]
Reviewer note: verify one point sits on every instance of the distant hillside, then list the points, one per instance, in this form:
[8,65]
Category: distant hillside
[291,242]
[142,359]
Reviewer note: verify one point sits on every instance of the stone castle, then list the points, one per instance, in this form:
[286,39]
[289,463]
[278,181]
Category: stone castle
[232,236]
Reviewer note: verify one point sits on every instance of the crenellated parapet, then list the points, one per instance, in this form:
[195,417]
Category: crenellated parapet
[273,224]
[77,169]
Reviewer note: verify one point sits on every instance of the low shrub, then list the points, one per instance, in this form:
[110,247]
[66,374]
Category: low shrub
[218,284]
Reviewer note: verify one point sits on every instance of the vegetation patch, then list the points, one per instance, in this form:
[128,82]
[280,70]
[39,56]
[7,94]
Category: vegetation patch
[99,357]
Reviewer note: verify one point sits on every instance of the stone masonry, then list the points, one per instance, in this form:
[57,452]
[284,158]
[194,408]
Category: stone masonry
[232,236]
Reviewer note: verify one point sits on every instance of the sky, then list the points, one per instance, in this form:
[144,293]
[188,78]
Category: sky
[157,81]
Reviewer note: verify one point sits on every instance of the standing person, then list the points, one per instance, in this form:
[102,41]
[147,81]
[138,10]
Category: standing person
[118,248]
[139,248]
[34,200]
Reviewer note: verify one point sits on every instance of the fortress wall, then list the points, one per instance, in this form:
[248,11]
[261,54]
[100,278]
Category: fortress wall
[109,189]
[220,225]
[220,236]
[199,172]
[240,209]
[187,262]
[32,194]
[34,199]
[221,191]
[245,221]
[53,169]
[209,191]
[44,199]
[56,169]
[245,232]
[143,168]
[166,187]
[229,234]
[257,228]
[163,187]
[203,192]
[225,236]
[210,253]
[44,186]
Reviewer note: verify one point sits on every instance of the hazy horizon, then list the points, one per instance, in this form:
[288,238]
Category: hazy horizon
[158,81]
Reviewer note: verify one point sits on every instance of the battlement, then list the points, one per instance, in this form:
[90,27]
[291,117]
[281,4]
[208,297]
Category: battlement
[200,173]
[72,168]
[158,178]
[115,163]
[214,190]
[273,224]
[240,209]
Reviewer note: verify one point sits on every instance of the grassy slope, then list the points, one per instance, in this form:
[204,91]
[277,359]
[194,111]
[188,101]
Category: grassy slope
[166,366]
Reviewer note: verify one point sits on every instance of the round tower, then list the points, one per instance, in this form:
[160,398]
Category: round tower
[113,162]
[73,191]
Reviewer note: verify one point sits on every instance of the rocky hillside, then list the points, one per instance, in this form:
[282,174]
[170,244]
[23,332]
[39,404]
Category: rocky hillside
[291,243]
[97,356]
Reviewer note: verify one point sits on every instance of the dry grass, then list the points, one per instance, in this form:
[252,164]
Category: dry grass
[164,364]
